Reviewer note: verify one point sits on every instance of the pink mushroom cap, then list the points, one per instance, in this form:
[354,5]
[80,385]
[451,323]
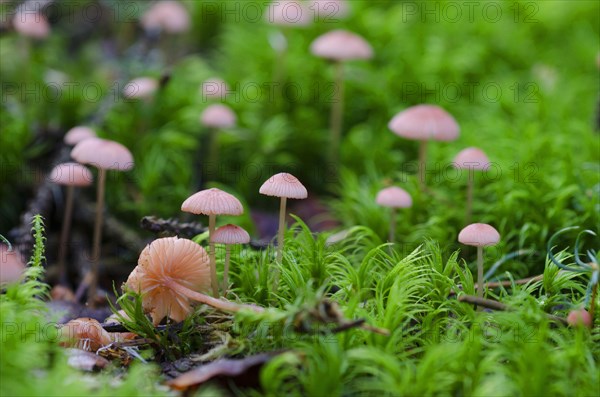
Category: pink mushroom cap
[284,185]
[78,134]
[341,45]
[31,24]
[288,13]
[71,174]
[104,154]
[140,88]
[212,202]
[170,16]
[471,158]
[579,317]
[394,197]
[330,9]
[230,234]
[424,122]
[214,88]
[479,235]
[218,116]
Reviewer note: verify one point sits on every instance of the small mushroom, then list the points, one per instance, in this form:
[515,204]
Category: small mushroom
[479,235]
[78,134]
[339,46]
[215,117]
[214,88]
[31,24]
[579,318]
[85,334]
[471,159]
[424,123]
[140,88]
[330,10]
[70,175]
[284,186]
[104,155]
[393,197]
[171,272]
[285,14]
[288,13]
[229,234]
[212,202]
[166,16]
[12,266]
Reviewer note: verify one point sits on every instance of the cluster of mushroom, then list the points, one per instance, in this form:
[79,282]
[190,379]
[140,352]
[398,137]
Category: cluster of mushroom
[425,123]
[172,272]
[104,155]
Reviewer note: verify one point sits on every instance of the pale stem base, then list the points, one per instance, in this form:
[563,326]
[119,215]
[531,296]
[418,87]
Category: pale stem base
[480,275]
[210,301]
[226,269]
[214,283]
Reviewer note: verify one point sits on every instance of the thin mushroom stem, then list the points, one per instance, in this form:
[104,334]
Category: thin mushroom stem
[480,274]
[226,269]
[495,305]
[210,301]
[337,110]
[392,225]
[280,234]
[281,230]
[64,236]
[468,210]
[93,275]
[422,162]
[212,256]
[211,167]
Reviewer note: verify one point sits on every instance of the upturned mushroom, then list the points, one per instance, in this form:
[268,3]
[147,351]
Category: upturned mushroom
[212,202]
[424,123]
[104,155]
[70,175]
[393,197]
[479,235]
[284,186]
[84,333]
[471,159]
[229,235]
[171,272]
[339,46]
[78,134]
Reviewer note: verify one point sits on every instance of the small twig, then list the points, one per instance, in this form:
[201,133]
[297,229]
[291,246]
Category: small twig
[360,323]
[482,302]
[507,283]
[495,305]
